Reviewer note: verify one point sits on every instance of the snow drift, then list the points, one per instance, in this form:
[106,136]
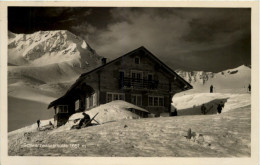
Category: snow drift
[109,112]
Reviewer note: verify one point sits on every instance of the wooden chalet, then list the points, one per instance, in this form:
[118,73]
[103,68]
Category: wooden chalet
[137,77]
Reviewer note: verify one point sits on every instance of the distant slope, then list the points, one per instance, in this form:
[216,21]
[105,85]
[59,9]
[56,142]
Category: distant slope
[236,79]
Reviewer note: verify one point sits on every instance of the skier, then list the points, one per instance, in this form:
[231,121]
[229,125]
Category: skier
[219,108]
[38,123]
[203,109]
[249,88]
[84,120]
[211,89]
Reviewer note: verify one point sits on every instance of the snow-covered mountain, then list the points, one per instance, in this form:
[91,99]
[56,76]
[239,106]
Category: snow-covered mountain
[48,57]
[235,79]
[50,47]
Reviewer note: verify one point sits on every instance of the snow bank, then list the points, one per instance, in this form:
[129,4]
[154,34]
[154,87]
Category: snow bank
[112,111]
[189,104]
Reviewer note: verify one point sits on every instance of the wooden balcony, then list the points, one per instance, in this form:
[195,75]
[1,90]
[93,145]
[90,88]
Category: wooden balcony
[138,83]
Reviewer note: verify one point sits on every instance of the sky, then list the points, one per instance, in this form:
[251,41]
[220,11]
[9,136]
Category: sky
[208,39]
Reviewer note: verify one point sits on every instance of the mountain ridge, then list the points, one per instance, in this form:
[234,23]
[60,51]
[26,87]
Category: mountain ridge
[46,47]
[45,58]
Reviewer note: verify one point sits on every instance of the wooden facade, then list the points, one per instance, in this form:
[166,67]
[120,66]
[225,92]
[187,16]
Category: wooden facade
[137,77]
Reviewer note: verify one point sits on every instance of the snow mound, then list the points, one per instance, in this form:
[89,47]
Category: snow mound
[112,111]
[190,104]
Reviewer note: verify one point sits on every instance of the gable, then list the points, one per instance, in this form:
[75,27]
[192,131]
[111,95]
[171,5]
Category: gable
[142,53]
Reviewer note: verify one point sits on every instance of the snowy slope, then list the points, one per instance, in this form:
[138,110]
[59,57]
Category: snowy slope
[231,80]
[226,135]
[190,104]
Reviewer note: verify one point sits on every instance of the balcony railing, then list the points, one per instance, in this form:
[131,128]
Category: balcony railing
[138,83]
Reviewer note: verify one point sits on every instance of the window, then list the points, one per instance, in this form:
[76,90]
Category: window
[63,109]
[161,102]
[121,97]
[156,101]
[134,75]
[137,60]
[115,96]
[136,99]
[137,74]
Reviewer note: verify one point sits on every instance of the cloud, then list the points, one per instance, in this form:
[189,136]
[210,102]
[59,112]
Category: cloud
[181,37]
[140,27]
[84,30]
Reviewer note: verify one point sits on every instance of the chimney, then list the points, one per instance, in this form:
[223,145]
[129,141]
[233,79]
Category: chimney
[104,61]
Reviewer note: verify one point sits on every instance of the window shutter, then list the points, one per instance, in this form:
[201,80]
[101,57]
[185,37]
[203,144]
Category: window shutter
[102,98]
[166,101]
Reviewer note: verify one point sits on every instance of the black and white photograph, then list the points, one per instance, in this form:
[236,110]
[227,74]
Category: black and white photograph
[97,81]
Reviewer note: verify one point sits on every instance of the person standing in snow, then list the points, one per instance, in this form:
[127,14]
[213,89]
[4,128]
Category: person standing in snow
[211,89]
[38,123]
[203,109]
[249,88]
[219,108]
